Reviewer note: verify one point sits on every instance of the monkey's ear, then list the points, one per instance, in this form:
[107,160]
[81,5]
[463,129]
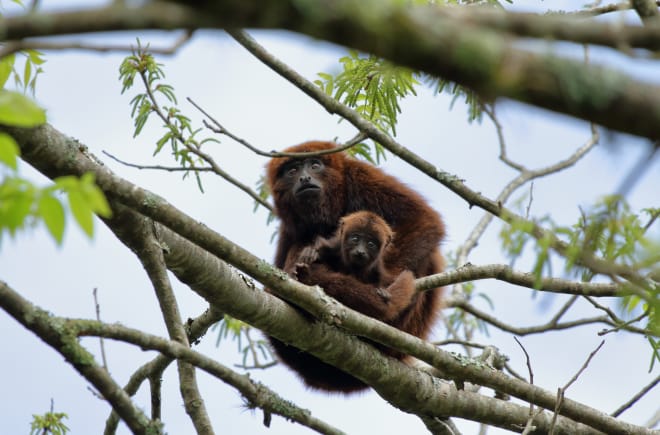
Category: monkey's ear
[390,237]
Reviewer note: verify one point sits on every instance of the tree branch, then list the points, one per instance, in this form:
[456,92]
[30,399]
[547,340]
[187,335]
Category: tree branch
[501,272]
[54,154]
[196,328]
[54,332]
[150,254]
[450,181]
[431,39]
[47,326]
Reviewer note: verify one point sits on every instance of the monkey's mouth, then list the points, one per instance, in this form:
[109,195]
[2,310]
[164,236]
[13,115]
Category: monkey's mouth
[308,189]
[359,259]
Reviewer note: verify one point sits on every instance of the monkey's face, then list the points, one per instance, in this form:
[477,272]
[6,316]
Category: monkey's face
[300,184]
[360,250]
[305,178]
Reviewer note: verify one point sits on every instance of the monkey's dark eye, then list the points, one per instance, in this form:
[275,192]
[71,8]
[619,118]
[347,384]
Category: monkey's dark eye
[316,165]
[354,238]
[372,245]
[290,171]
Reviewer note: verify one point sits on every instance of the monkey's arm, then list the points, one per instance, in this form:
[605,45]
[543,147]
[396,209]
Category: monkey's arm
[365,298]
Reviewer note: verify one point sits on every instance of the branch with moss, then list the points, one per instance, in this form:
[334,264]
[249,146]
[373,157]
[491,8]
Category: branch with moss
[67,331]
[150,254]
[64,340]
[446,42]
[450,181]
[51,152]
[196,328]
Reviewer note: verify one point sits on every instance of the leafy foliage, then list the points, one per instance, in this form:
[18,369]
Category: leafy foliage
[472,101]
[22,204]
[179,134]
[609,230]
[373,87]
[240,331]
[49,423]
[19,111]
[27,81]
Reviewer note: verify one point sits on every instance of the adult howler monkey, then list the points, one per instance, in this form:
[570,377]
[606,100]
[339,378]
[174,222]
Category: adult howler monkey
[311,194]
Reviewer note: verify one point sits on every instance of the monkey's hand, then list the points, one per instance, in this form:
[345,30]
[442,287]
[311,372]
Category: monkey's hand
[301,271]
[308,255]
[384,294]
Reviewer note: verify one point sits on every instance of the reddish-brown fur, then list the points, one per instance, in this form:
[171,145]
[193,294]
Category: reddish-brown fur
[358,248]
[340,185]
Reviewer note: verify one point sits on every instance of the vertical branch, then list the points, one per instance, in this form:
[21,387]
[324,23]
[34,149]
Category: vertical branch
[60,338]
[150,254]
[98,317]
[154,369]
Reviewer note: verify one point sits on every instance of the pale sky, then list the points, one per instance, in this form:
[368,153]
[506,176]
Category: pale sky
[81,93]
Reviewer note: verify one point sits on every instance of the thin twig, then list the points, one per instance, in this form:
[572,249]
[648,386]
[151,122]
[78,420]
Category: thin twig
[196,150]
[529,426]
[636,397]
[12,47]
[618,323]
[458,302]
[220,129]
[158,167]
[562,390]
[98,317]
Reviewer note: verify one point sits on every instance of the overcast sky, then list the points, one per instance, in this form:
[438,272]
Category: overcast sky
[81,93]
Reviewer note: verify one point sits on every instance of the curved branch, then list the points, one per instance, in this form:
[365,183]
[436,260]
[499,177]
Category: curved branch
[53,153]
[50,327]
[430,39]
[61,339]
[501,272]
[154,368]
[550,325]
[452,182]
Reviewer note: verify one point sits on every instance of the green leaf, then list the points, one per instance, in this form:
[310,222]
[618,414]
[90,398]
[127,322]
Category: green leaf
[6,67]
[81,211]
[18,110]
[36,57]
[94,196]
[9,150]
[19,208]
[27,72]
[52,213]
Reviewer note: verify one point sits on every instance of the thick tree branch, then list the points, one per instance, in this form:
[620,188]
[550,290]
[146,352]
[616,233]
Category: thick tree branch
[54,154]
[448,42]
[450,181]
[64,341]
[47,326]
[151,256]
